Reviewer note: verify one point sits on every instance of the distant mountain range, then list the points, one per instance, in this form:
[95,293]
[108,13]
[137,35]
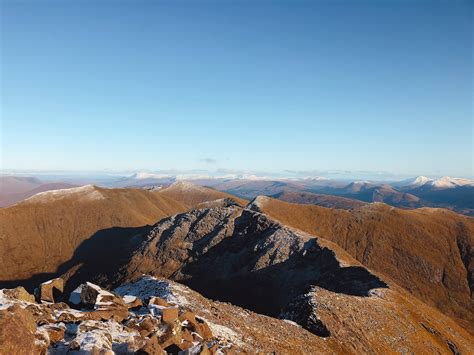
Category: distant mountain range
[445,182]
[14,189]
[446,192]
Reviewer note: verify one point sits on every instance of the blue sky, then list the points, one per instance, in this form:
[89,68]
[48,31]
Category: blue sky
[251,85]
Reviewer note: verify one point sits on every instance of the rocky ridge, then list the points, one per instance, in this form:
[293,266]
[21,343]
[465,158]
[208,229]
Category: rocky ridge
[240,256]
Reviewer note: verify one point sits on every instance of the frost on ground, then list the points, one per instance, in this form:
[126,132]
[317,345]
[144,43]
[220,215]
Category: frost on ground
[225,334]
[148,286]
[86,192]
[144,319]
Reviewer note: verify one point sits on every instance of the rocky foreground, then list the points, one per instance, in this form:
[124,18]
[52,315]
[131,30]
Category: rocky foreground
[149,316]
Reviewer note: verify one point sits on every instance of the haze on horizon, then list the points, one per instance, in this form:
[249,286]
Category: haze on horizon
[251,86]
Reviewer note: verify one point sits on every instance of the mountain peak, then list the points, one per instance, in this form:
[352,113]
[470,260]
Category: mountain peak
[420,181]
[447,182]
[89,192]
[186,186]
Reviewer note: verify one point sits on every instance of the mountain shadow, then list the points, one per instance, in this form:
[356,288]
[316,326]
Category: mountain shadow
[268,289]
[101,254]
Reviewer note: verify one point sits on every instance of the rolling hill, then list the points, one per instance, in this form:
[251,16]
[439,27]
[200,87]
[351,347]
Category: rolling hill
[190,194]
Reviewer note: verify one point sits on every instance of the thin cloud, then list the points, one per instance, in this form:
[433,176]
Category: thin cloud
[209,160]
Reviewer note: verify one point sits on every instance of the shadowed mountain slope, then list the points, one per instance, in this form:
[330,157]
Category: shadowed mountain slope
[427,251]
[43,231]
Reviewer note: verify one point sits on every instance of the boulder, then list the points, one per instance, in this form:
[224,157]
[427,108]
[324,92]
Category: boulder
[168,335]
[88,294]
[169,314]
[147,325]
[17,332]
[195,324]
[132,301]
[20,294]
[104,304]
[187,336]
[151,347]
[55,332]
[110,306]
[158,301]
[52,290]
[41,313]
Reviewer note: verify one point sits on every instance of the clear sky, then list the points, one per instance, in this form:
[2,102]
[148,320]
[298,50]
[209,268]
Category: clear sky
[267,85]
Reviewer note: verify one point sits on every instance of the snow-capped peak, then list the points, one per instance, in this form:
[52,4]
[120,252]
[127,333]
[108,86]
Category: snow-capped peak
[447,182]
[420,181]
[143,175]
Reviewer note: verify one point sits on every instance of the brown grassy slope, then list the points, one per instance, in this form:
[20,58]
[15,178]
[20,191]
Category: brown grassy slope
[319,200]
[426,251]
[42,232]
[191,195]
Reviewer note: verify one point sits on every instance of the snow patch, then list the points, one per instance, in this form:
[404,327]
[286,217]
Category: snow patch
[5,302]
[225,333]
[129,299]
[95,336]
[148,286]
